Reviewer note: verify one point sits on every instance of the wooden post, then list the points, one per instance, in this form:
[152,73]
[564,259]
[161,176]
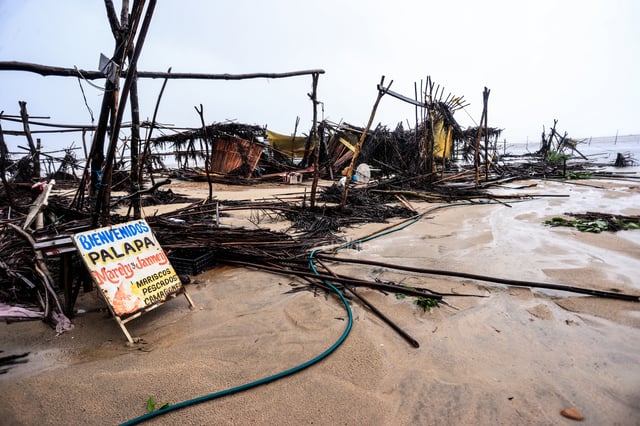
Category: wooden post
[415,94]
[123,38]
[25,125]
[36,160]
[104,195]
[486,133]
[33,150]
[481,126]
[4,158]
[314,139]
[65,277]
[135,148]
[381,92]
[207,158]
[431,129]
[293,137]
[46,70]
[323,145]
[146,161]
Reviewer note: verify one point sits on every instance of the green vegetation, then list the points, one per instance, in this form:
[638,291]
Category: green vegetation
[585,174]
[152,406]
[556,158]
[425,303]
[596,224]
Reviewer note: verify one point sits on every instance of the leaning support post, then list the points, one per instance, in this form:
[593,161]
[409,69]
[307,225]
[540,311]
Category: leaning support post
[102,205]
[4,160]
[207,159]
[381,92]
[96,155]
[33,150]
[486,134]
[146,152]
[314,139]
[37,171]
[485,98]
[135,148]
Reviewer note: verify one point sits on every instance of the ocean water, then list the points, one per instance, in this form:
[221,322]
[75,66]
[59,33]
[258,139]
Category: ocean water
[599,150]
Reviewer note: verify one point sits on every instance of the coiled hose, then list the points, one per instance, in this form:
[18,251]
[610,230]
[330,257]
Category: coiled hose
[265,380]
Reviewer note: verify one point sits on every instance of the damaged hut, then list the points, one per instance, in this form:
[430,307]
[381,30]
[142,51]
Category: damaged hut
[226,149]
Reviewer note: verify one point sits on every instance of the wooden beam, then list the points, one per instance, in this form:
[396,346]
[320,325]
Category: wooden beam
[47,70]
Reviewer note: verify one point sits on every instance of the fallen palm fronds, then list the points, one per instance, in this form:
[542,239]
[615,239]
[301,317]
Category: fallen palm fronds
[597,222]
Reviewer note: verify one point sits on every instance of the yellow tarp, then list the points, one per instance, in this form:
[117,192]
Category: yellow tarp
[348,144]
[288,145]
[442,140]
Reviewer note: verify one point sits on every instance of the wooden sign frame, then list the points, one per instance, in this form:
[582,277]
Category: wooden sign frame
[130,268]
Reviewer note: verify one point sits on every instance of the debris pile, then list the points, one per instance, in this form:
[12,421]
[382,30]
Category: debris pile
[374,171]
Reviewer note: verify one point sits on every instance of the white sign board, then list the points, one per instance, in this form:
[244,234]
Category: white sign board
[128,265]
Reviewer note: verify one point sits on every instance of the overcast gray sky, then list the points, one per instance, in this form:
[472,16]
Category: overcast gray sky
[575,61]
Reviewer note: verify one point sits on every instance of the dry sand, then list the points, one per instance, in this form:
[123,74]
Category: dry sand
[513,356]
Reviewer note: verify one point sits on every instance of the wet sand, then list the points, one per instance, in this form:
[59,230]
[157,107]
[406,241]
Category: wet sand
[513,356]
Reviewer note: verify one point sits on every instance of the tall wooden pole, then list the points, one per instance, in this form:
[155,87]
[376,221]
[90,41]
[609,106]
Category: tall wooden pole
[146,161]
[314,139]
[104,195]
[207,158]
[27,132]
[486,133]
[135,149]
[381,92]
[485,98]
[109,98]
[4,157]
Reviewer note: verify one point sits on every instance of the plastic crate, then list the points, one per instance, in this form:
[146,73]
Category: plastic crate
[190,261]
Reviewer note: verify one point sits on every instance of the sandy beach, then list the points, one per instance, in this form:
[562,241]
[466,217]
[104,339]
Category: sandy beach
[506,355]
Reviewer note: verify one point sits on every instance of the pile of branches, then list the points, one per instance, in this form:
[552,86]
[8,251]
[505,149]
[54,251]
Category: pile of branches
[18,278]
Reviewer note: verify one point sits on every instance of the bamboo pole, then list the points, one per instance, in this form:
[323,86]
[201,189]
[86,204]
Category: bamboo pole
[135,148]
[374,309]
[314,140]
[486,135]
[207,158]
[4,158]
[381,92]
[25,123]
[33,150]
[102,204]
[147,143]
[96,156]
[485,98]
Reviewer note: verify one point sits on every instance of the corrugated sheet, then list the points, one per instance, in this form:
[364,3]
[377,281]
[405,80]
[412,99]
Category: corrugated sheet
[230,153]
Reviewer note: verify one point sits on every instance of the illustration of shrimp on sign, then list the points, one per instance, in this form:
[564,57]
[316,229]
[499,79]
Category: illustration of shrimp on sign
[130,268]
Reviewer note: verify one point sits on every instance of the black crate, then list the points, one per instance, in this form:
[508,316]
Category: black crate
[190,261]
